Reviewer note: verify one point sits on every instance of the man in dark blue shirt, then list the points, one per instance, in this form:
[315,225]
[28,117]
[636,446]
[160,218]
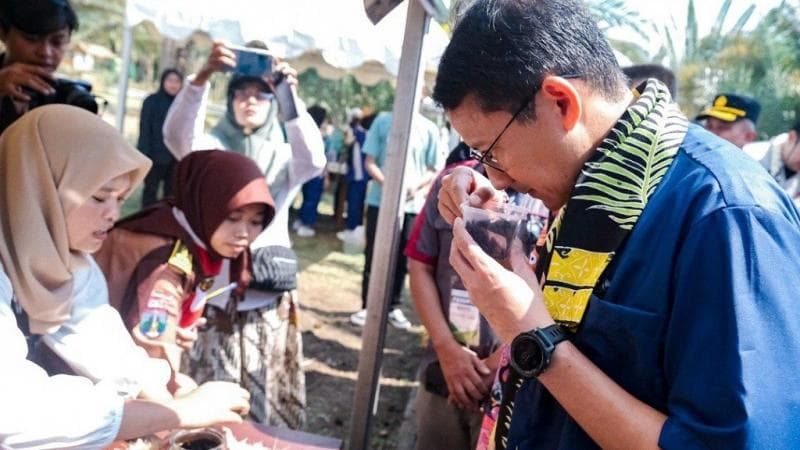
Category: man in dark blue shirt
[667,315]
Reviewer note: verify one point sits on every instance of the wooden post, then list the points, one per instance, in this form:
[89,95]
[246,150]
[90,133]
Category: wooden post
[409,82]
[122,86]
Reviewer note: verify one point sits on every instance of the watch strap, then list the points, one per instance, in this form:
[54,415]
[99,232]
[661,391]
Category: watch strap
[553,334]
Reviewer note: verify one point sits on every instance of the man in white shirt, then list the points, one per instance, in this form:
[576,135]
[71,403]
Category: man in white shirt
[781,157]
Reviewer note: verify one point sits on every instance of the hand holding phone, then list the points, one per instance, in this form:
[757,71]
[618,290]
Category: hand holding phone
[253,62]
[283,77]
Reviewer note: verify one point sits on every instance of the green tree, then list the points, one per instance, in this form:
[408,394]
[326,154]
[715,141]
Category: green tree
[338,96]
[696,67]
[763,63]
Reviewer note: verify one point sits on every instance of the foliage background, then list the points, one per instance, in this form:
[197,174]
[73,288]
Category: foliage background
[739,55]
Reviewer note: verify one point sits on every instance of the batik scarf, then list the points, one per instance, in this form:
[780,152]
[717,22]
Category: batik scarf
[609,196]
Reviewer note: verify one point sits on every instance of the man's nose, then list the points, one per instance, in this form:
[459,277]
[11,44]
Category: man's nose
[500,180]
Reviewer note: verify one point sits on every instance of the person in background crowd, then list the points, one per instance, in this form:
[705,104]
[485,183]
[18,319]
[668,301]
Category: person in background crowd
[36,34]
[456,371]
[667,316]
[313,188]
[422,164]
[72,376]
[640,73]
[161,262]
[151,137]
[781,157]
[733,118]
[357,179]
[264,350]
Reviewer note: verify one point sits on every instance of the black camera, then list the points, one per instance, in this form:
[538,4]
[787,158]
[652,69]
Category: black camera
[68,92]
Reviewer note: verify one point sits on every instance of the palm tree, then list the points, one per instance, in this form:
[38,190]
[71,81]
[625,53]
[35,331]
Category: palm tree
[695,68]
[763,63]
[617,14]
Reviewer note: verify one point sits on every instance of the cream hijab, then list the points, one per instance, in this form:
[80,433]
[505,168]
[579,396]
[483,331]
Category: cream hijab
[51,161]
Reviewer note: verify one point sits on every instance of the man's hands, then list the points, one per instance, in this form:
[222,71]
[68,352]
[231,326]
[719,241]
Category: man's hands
[465,185]
[511,303]
[17,76]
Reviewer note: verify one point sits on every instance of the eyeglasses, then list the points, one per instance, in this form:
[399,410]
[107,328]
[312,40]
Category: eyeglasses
[241,95]
[486,158]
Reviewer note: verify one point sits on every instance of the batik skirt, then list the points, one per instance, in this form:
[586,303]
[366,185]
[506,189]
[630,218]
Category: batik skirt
[261,350]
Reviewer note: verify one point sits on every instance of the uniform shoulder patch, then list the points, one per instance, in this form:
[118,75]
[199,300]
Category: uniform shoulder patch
[181,258]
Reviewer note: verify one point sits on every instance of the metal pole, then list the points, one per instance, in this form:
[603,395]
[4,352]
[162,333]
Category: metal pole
[122,85]
[409,81]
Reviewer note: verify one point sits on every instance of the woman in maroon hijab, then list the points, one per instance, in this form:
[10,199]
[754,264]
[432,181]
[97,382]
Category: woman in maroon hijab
[164,263]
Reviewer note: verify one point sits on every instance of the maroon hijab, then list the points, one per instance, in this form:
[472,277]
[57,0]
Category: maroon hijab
[209,185]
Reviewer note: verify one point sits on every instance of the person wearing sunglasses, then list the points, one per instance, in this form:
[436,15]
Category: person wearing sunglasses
[666,316]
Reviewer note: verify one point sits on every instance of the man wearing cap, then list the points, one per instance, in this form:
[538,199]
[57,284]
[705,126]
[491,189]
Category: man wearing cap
[732,117]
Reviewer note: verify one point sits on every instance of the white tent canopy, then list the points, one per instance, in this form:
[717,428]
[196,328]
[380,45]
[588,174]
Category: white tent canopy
[335,37]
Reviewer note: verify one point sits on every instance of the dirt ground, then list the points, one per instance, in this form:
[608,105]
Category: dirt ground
[330,286]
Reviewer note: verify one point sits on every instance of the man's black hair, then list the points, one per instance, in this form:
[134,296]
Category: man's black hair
[37,17]
[796,127]
[501,50]
[657,71]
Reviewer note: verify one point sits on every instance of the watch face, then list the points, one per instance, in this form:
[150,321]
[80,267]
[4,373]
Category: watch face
[527,354]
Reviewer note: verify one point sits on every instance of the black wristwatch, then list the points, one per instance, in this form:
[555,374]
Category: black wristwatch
[531,351]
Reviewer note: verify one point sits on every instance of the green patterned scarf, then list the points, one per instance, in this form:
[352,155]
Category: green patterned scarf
[609,196]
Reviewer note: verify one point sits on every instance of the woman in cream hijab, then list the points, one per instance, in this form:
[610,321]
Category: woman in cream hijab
[63,176]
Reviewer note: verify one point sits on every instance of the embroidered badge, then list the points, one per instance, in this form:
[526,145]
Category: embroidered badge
[181,258]
[153,322]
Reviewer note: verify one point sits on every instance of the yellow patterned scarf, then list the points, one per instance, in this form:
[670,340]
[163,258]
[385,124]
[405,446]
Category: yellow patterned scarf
[610,194]
[608,198]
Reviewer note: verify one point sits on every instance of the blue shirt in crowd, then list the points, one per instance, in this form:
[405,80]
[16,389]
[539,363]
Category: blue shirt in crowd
[698,315]
[423,155]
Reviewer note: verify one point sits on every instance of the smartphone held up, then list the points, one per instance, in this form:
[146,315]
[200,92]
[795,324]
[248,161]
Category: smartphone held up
[252,62]
[256,62]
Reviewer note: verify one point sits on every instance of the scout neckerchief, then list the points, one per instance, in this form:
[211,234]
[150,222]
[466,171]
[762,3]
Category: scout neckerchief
[194,303]
[609,196]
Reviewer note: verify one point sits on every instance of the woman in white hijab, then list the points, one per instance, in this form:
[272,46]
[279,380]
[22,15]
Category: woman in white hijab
[63,176]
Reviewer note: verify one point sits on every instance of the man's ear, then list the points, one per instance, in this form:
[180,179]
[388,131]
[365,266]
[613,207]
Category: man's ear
[565,97]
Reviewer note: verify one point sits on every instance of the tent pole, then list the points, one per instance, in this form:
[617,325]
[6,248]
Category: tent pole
[122,86]
[409,82]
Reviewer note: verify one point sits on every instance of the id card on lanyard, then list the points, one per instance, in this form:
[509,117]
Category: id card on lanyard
[463,316]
